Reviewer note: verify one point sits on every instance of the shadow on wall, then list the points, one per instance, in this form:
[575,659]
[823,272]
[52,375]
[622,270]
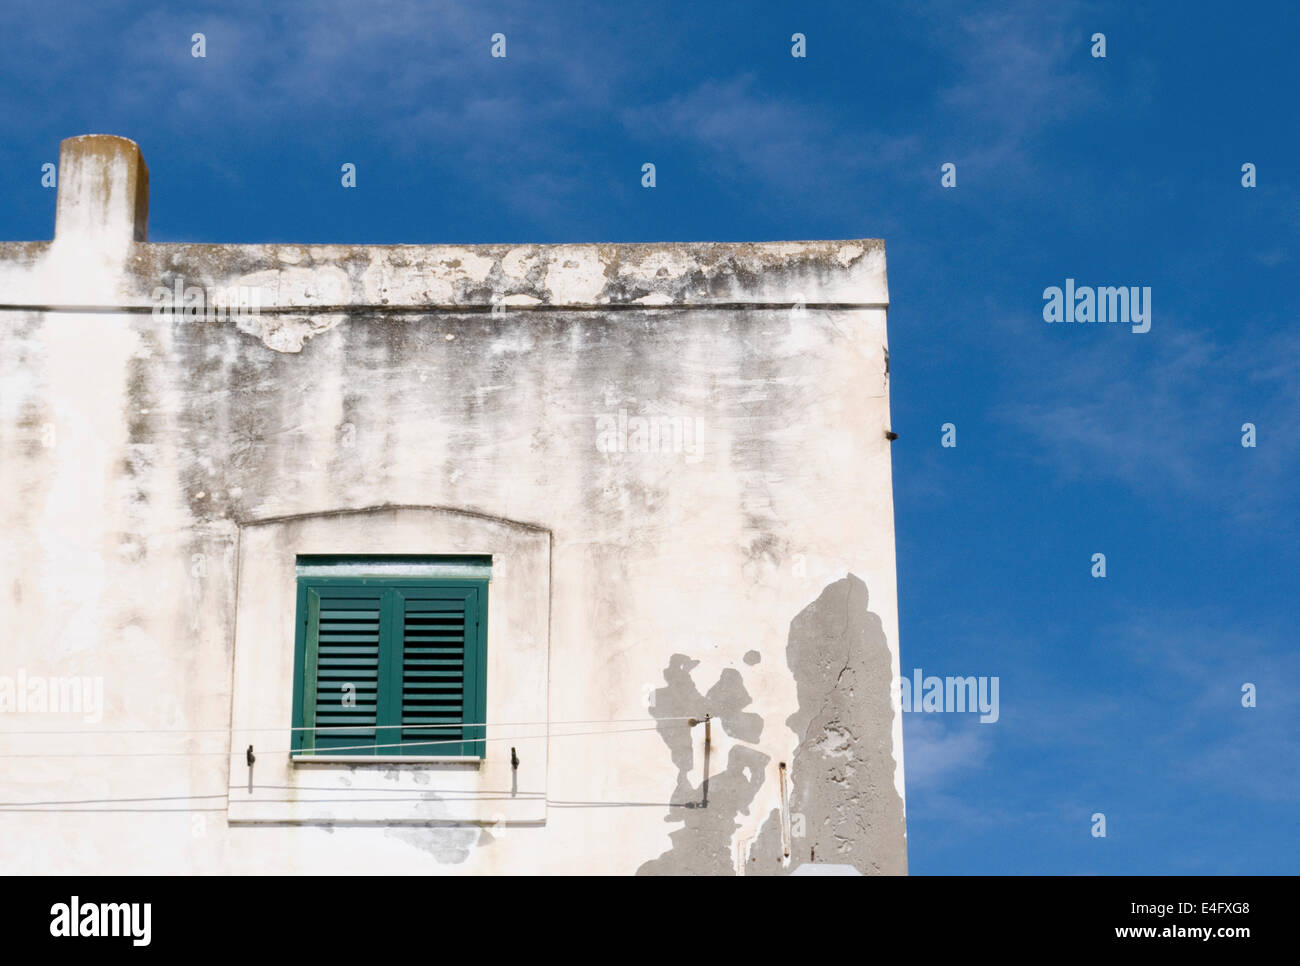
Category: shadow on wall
[843,806]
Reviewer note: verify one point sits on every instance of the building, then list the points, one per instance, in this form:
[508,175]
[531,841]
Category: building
[426,559]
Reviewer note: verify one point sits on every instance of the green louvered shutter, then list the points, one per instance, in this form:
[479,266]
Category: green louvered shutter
[441,670]
[391,667]
[342,627]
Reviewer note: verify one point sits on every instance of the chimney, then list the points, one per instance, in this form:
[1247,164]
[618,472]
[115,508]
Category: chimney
[103,190]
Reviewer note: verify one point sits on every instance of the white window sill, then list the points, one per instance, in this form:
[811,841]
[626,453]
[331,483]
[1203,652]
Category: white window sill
[464,760]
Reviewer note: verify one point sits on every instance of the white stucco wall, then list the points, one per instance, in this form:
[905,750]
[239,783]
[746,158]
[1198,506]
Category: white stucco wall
[161,471]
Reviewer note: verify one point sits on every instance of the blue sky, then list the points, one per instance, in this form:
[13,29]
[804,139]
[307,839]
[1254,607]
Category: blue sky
[1118,695]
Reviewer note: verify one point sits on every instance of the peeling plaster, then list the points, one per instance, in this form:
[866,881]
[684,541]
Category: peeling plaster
[404,277]
[708,810]
[842,772]
[841,778]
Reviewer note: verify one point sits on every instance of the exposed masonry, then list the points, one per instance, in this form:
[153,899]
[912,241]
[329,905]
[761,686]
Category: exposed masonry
[709,810]
[842,795]
[842,774]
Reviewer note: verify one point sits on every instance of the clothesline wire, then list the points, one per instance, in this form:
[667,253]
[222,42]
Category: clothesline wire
[226,731]
[234,752]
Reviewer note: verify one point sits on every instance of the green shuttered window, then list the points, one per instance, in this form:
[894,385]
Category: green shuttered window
[390,665]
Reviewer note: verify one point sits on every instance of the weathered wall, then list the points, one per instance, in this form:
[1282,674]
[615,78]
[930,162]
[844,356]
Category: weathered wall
[749,574]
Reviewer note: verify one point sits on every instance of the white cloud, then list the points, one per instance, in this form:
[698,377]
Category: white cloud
[1164,416]
[935,753]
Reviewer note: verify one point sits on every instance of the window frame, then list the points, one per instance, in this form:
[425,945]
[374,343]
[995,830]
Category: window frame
[391,647]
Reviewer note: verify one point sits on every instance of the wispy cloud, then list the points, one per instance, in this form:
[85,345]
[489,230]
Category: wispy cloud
[1020,69]
[938,752]
[1167,704]
[798,148]
[1169,419]
[419,80]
